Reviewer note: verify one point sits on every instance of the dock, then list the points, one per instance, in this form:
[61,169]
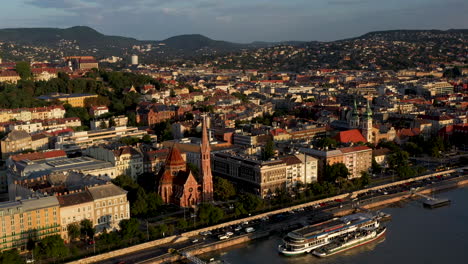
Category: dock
[435,203]
[432,202]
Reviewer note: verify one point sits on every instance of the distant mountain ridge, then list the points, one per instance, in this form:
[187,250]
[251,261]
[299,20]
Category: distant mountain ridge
[87,40]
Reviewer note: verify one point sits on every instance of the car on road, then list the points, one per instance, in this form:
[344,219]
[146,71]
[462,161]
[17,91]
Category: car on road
[229,233]
[223,237]
[249,230]
[195,240]
[238,228]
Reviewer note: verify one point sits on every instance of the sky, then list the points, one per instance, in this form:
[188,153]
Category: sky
[237,20]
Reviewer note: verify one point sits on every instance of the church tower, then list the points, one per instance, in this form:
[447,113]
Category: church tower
[205,168]
[367,123]
[174,164]
[354,120]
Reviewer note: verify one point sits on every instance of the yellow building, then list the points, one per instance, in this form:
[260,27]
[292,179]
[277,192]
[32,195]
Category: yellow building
[75,100]
[20,220]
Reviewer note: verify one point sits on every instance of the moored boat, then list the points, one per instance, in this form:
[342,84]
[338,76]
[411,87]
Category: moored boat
[306,239]
[350,241]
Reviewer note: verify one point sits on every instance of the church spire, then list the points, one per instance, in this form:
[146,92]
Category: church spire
[368,113]
[205,156]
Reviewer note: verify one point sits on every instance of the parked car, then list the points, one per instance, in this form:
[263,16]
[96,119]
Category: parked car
[249,230]
[223,237]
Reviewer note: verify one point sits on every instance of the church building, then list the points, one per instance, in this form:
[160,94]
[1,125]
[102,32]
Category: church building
[178,185]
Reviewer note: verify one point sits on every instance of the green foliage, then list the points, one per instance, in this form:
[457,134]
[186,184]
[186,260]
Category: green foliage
[332,173]
[11,256]
[405,172]
[51,247]
[223,189]
[24,70]
[209,214]
[146,139]
[86,228]
[326,142]
[269,151]
[74,231]
[158,231]
[398,159]
[182,224]
[163,131]
[79,112]
[129,141]
[376,168]
[251,202]
[239,209]
[129,228]
[241,96]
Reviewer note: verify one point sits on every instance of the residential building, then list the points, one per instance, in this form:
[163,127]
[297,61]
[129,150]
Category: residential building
[35,217]
[19,140]
[357,159]
[110,206]
[73,141]
[75,100]
[126,159]
[262,178]
[75,207]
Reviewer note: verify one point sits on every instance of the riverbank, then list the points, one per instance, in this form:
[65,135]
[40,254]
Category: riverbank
[372,203]
[169,258]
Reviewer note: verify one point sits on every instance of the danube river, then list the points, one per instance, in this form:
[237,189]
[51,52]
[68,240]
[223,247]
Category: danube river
[414,235]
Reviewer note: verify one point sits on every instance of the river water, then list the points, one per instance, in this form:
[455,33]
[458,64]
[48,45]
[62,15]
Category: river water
[415,235]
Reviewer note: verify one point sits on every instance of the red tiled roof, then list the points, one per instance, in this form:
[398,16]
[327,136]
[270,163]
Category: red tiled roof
[350,136]
[39,155]
[175,158]
[353,149]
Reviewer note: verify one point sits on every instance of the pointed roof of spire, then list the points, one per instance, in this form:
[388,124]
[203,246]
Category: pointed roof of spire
[355,111]
[205,144]
[174,158]
[368,112]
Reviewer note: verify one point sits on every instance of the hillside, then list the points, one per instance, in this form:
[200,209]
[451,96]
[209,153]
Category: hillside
[416,35]
[84,36]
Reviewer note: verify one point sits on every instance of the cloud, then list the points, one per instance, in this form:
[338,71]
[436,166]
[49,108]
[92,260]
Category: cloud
[225,19]
[240,20]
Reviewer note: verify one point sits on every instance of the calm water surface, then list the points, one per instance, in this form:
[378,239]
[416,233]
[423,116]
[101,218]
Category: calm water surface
[414,235]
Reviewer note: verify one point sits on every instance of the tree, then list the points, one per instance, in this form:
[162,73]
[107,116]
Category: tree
[11,256]
[103,125]
[87,229]
[182,224]
[365,179]
[129,228]
[24,70]
[73,230]
[146,139]
[209,214]
[335,171]
[398,159]
[51,247]
[140,206]
[269,151]
[251,202]
[223,189]
[326,142]
[376,168]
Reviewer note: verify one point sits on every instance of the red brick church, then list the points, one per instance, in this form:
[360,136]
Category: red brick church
[178,185]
